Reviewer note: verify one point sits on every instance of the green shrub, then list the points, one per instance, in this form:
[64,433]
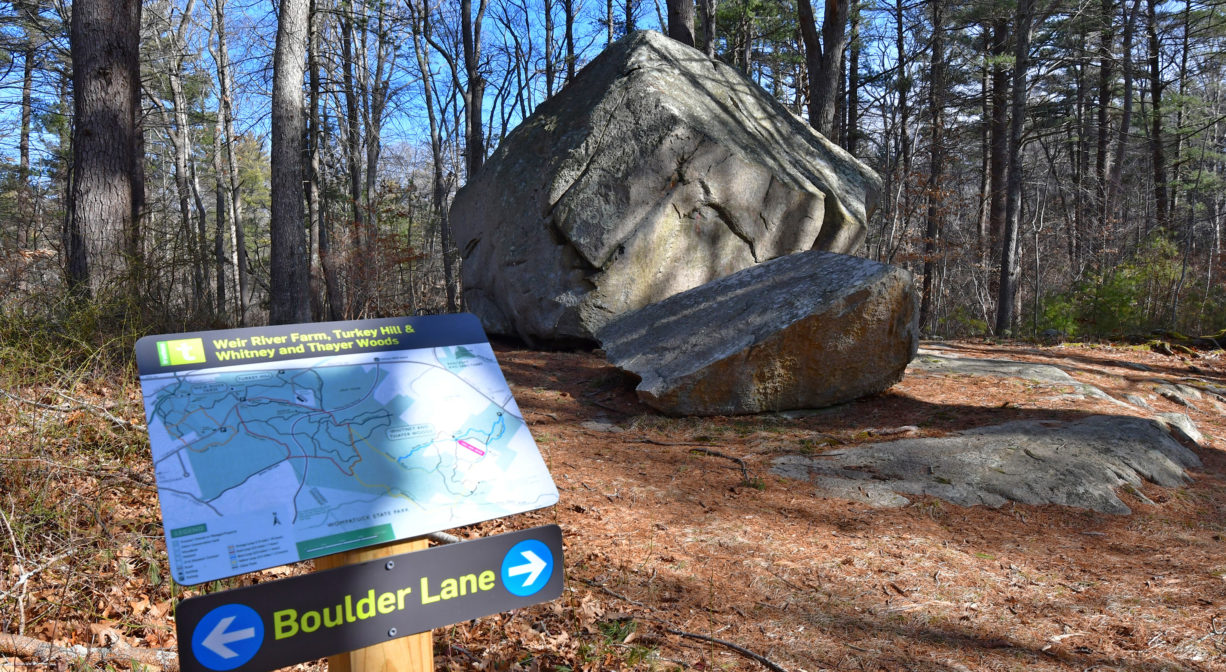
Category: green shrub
[1130,297]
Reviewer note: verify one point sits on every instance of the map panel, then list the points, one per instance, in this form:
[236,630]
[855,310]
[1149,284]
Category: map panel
[286,443]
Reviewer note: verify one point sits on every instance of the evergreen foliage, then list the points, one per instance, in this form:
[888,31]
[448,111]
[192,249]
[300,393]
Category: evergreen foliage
[1121,204]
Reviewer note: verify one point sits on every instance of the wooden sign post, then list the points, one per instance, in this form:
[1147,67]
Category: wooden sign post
[414,653]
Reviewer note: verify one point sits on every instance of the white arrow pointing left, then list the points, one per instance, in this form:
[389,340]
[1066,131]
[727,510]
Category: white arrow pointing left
[218,640]
[532,568]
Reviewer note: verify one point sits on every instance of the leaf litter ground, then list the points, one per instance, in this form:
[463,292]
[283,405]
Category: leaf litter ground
[683,550]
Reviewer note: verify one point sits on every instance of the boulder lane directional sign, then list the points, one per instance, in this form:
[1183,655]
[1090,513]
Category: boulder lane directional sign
[280,623]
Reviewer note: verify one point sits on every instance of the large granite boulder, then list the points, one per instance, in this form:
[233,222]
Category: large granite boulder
[807,330]
[655,171]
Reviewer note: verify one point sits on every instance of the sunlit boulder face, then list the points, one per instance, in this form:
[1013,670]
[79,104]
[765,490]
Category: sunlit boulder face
[655,171]
[807,330]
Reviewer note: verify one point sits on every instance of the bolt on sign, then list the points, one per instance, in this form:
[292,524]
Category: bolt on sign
[280,623]
[278,444]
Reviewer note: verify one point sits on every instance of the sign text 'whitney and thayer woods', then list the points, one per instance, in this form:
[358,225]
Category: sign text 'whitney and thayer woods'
[283,443]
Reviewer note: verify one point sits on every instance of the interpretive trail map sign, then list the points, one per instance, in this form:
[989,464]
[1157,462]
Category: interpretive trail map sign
[278,444]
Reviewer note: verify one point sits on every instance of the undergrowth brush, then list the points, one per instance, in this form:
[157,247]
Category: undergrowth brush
[79,537]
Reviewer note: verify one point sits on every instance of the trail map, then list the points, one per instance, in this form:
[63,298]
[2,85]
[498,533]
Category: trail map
[270,457]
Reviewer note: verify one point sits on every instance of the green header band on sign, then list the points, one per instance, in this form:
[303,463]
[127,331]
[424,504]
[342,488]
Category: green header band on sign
[345,541]
[256,345]
[189,531]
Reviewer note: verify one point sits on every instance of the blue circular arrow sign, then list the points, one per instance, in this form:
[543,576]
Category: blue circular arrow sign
[527,567]
[227,637]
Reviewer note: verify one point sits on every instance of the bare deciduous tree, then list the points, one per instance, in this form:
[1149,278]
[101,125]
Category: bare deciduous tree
[107,192]
[289,280]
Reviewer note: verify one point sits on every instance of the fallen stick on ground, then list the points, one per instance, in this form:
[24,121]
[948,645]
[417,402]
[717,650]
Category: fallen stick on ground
[667,627]
[72,405]
[767,663]
[715,453]
[120,652]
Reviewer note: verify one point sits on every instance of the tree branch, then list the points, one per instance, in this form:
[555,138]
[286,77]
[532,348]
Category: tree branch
[667,627]
[120,652]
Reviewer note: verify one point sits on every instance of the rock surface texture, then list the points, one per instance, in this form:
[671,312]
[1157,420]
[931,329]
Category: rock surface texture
[931,361]
[1078,464]
[655,171]
[1086,463]
[803,331]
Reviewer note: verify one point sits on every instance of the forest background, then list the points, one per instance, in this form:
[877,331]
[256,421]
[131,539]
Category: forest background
[1050,166]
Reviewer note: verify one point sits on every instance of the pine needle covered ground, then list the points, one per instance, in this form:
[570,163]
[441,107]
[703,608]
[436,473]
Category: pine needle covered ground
[683,550]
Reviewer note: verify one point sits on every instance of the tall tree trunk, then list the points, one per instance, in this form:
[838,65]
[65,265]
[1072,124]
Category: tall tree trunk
[107,191]
[1157,149]
[681,21]
[178,130]
[568,9]
[742,42]
[438,185]
[999,163]
[1009,262]
[608,22]
[238,253]
[319,276]
[25,200]
[333,299]
[180,136]
[1179,167]
[202,228]
[1182,198]
[470,31]
[219,210]
[985,144]
[1115,178]
[1079,151]
[853,81]
[823,58]
[1106,93]
[903,85]
[551,67]
[353,147]
[289,281]
[936,162]
[706,11]
[375,110]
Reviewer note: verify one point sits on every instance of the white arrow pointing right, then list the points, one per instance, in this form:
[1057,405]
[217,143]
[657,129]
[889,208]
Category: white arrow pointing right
[532,568]
[218,640]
